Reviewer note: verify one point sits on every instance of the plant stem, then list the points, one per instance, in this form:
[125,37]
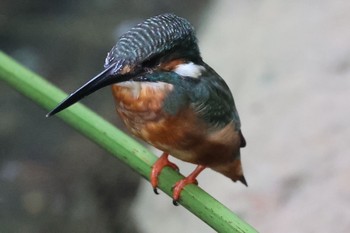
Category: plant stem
[119,145]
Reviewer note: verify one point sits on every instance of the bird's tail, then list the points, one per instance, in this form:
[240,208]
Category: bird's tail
[232,170]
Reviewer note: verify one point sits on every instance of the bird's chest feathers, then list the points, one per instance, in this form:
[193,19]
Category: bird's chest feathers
[139,103]
[141,97]
[141,107]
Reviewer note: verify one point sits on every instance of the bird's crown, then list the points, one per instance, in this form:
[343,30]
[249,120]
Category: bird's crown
[152,38]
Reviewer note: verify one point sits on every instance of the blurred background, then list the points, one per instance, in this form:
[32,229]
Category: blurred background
[288,66]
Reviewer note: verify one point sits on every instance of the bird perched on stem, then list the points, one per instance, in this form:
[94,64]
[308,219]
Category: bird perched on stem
[169,97]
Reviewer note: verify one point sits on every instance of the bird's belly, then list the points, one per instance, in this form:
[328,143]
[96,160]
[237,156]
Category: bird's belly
[140,106]
[182,135]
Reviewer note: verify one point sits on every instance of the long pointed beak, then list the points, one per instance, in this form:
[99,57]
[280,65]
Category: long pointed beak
[106,77]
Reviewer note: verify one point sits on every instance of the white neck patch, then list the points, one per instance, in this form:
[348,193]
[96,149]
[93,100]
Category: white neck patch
[189,70]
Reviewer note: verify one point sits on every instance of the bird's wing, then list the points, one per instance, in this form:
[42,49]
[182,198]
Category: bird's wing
[213,100]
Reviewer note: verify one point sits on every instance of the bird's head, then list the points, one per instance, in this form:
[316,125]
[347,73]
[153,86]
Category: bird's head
[160,39]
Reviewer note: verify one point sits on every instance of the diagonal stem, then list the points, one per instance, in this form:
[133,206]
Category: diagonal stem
[119,145]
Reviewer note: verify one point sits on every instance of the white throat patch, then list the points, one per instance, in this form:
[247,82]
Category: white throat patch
[189,70]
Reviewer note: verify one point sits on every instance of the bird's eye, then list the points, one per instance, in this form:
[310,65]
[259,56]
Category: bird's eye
[150,63]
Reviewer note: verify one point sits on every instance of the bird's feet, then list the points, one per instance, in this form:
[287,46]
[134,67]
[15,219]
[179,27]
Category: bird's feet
[158,167]
[191,179]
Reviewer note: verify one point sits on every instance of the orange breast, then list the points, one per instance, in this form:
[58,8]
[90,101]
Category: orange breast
[138,103]
[182,135]
[140,107]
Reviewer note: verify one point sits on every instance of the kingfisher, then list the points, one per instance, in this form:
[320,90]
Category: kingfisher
[169,97]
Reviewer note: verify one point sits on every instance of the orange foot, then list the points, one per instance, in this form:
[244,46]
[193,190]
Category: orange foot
[158,167]
[191,179]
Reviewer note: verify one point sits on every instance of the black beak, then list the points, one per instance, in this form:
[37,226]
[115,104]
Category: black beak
[108,76]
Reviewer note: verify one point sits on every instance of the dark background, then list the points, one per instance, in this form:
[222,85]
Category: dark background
[51,178]
[287,64]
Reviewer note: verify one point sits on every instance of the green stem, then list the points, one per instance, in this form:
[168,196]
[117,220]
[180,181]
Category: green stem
[119,145]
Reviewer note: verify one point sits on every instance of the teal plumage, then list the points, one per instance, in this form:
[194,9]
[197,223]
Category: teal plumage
[169,97]
[155,37]
[209,96]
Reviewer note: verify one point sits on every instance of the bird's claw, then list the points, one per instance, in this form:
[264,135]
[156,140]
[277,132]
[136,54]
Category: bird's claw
[158,167]
[175,203]
[155,190]
[180,185]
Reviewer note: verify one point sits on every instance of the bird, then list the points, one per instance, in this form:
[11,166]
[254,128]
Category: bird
[170,98]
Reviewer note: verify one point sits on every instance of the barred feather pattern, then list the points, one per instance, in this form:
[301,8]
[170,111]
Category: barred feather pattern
[155,35]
